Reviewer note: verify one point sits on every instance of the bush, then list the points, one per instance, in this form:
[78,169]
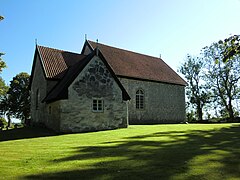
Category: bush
[18,125]
[3,122]
[190,117]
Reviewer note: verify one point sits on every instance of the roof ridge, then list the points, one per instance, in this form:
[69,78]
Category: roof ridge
[61,50]
[122,49]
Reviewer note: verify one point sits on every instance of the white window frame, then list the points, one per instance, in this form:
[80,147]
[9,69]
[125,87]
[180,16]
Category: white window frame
[97,105]
[140,99]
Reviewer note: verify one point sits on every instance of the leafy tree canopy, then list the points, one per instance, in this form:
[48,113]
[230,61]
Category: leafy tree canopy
[3,88]
[2,63]
[197,96]
[232,47]
[19,98]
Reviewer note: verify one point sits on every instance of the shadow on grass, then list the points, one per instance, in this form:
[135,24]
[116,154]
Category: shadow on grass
[195,154]
[25,133]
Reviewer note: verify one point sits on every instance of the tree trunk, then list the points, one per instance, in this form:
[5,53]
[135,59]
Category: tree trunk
[230,111]
[9,121]
[199,112]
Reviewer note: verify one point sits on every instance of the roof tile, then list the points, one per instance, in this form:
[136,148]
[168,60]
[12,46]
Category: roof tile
[131,64]
[56,62]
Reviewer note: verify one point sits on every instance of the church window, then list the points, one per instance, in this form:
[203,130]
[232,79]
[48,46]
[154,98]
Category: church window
[97,105]
[49,110]
[139,99]
[37,99]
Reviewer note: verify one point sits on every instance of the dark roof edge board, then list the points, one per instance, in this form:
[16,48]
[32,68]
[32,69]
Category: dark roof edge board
[87,44]
[41,60]
[125,95]
[63,86]
[34,64]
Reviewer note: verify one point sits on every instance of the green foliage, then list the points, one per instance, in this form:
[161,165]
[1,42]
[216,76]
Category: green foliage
[18,97]
[2,63]
[3,88]
[3,95]
[231,47]
[197,95]
[191,116]
[213,81]
[222,79]
[3,122]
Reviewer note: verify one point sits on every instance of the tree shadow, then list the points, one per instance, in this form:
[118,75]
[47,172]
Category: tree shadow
[25,133]
[195,154]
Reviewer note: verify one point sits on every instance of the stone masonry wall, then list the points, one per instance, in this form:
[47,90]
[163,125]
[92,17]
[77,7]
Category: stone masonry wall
[53,113]
[39,83]
[41,115]
[95,81]
[163,103]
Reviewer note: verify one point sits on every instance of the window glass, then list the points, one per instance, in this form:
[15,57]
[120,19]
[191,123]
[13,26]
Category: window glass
[139,99]
[37,99]
[97,105]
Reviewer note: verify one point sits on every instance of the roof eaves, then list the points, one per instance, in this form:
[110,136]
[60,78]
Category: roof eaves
[69,79]
[151,80]
[41,61]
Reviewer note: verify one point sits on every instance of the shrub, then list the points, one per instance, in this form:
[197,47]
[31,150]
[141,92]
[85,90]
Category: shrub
[3,122]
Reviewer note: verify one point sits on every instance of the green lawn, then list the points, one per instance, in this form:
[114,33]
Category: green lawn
[186,151]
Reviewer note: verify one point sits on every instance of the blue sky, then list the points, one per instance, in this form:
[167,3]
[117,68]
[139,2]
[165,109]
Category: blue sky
[172,28]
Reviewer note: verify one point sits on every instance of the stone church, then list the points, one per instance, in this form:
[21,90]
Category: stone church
[102,88]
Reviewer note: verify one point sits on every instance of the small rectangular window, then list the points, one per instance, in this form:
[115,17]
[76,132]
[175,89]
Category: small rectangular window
[49,110]
[97,105]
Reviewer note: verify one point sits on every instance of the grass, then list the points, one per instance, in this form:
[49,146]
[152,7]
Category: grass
[186,151]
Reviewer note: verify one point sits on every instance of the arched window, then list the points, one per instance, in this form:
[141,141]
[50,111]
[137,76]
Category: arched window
[37,99]
[139,99]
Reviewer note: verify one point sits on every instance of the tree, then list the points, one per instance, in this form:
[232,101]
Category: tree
[2,63]
[222,78]
[3,122]
[5,108]
[197,96]
[3,95]
[18,97]
[232,47]
[3,88]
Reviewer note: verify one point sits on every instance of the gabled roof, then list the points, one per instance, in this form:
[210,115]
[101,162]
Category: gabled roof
[134,65]
[60,91]
[55,62]
[63,67]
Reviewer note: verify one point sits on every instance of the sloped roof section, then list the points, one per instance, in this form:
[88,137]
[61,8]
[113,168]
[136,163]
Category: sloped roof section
[60,91]
[55,62]
[134,65]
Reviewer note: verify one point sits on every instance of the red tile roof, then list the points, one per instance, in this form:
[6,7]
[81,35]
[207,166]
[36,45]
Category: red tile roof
[63,66]
[55,62]
[60,91]
[131,64]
